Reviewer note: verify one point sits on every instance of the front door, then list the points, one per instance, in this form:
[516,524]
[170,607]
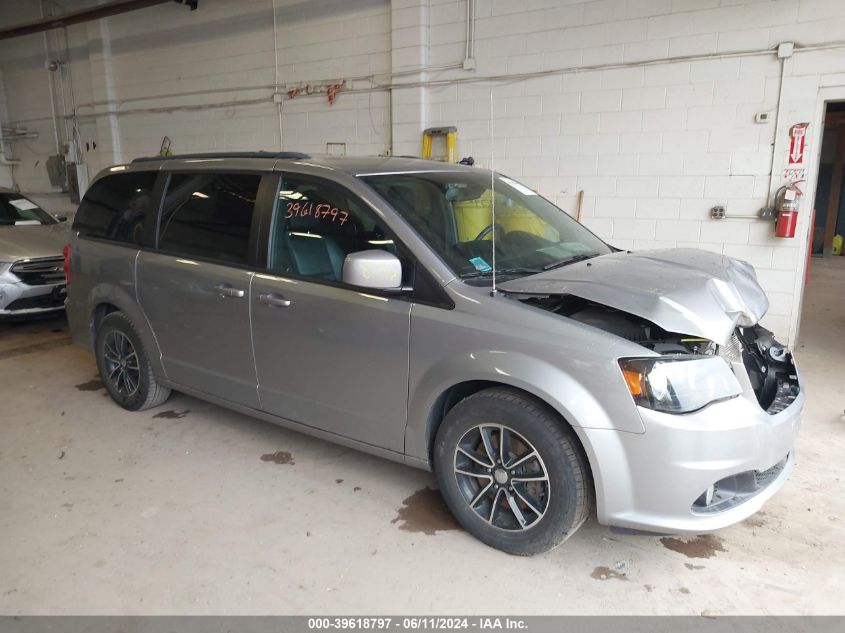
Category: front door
[329,355]
[195,288]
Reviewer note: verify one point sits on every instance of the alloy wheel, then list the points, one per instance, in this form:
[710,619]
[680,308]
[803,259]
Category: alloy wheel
[502,477]
[121,363]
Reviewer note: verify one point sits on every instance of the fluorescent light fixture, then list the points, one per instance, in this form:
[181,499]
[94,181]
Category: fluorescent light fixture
[298,234]
[199,194]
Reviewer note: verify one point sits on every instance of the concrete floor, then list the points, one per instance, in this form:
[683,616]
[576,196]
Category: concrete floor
[191,509]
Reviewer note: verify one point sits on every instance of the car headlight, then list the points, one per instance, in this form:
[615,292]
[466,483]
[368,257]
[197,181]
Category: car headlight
[679,384]
[4,266]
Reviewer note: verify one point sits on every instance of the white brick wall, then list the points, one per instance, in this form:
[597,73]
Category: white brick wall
[654,146]
[169,49]
[686,138]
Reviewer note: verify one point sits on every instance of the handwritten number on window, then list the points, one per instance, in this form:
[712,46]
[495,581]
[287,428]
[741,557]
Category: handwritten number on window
[323,211]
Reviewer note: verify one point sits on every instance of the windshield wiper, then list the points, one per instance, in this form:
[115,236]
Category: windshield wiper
[570,260]
[501,271]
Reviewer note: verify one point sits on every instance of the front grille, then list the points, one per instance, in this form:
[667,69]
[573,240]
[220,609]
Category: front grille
[50,300]
[40,272]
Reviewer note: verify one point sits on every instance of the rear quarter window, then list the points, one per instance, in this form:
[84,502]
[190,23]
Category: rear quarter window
[116,206]
[209,215]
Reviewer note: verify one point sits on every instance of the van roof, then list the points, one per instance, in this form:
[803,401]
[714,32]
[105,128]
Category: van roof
[355,165]
[276,155]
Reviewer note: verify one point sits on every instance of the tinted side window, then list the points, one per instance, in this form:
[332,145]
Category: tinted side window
[116,206]
[317,224]
[209,215]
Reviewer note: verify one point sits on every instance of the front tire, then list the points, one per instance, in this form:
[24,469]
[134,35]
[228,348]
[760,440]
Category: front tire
[512,472]
[124,366]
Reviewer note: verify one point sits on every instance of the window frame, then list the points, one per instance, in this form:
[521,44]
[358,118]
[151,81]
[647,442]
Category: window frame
[422,288]
[150,220]
[364,177]
[265,187]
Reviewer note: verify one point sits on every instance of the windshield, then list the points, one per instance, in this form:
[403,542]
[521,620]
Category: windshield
[17,210]
[453,212]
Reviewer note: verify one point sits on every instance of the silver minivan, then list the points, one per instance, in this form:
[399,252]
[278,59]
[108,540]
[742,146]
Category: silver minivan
[31,277]
[446,317]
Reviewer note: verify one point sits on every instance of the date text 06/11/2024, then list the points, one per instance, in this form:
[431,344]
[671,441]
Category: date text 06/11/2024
[417,623]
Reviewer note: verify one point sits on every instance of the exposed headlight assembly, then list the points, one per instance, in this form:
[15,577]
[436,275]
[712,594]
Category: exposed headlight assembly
[680,384]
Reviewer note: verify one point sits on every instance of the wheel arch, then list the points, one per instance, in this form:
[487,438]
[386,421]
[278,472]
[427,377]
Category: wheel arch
[105,299]
[457,392]
[99,313]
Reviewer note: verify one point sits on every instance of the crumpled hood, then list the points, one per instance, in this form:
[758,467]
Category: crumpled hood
[683,290]
[30,241]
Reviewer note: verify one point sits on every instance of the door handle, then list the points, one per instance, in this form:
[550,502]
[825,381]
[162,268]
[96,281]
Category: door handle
[274,300]
[227,291]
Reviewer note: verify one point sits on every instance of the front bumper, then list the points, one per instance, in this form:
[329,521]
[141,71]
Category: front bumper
[652,481]
[18,298]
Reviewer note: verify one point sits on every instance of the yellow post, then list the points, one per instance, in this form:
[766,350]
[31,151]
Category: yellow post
[426,153]
[452,145]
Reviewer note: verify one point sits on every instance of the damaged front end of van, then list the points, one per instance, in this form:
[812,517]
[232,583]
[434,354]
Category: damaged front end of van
[719,398]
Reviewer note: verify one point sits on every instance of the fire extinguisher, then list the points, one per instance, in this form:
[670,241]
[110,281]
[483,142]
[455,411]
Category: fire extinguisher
[787,203]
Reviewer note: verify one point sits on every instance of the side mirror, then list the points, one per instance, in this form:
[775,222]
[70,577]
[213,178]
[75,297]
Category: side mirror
[60,218]
[373,269]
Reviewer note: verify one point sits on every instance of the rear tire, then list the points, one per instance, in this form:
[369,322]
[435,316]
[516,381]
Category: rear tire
[525,499]
[124,366]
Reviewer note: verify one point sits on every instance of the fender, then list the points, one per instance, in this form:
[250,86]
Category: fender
[545,381]
[127,303]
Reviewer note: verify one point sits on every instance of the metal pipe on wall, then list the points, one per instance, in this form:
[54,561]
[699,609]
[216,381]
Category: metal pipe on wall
[772,177]
[107,9]
[276,96]
[9,162]
[469,51]
[74,124]
[50,85]
[391,84]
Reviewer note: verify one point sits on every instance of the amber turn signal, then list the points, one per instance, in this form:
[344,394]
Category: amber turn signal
[635,379]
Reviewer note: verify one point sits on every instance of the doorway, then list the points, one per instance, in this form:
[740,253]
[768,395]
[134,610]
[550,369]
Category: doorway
[820,345]
[829,225]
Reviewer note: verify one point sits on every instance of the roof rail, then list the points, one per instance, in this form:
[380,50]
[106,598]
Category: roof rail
[277,155]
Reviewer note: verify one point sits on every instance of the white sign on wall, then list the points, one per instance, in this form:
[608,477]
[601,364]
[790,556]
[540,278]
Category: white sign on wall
[795,167]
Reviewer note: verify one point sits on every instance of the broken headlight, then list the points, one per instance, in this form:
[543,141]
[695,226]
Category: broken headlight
[679,384]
